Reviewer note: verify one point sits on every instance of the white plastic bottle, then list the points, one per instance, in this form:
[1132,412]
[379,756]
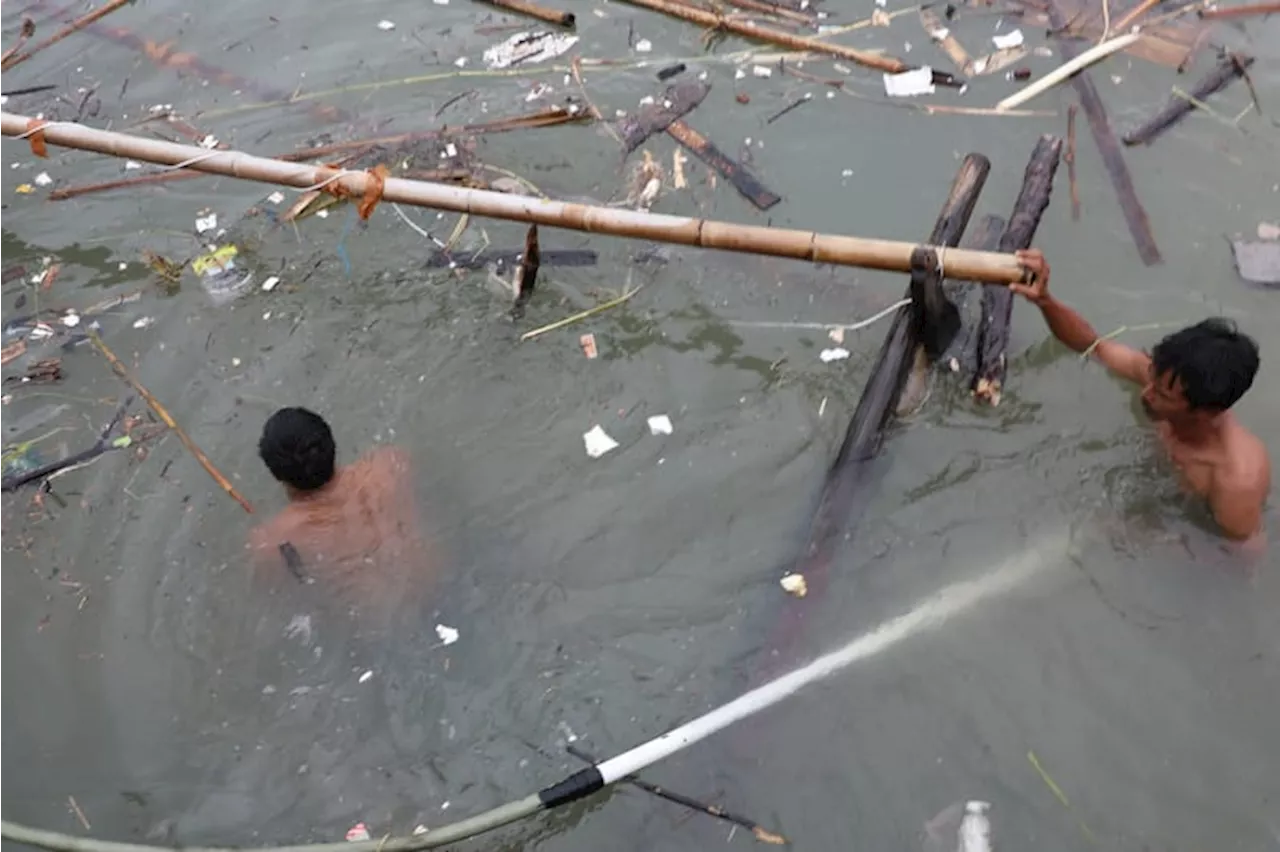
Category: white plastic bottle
[975,828]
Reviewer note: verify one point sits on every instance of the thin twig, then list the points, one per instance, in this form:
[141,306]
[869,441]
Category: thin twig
[1151,326]
[75,808]
[75,26]
[1204,107]
[163,414]
[581,315]
[823,326]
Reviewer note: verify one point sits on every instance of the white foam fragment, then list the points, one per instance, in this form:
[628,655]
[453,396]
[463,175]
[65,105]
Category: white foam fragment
[762,70]
[386,26]
[794,584]
[660,424]
[598,442]
[276,197]
[43,179]
[527,48]
[364,678]
[447,634]
[918,81]
[143,322]
[130,165]
[837,354]
[206,223]
[1006,41]
[644,46]
[270,283]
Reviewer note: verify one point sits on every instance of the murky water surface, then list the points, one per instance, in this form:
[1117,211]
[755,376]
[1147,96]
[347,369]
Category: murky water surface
[150,675]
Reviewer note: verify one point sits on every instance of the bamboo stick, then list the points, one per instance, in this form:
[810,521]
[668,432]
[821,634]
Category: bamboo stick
[123,372]
[1240,11]
[746,29]
[1177,107]
[1134,14]
[889,255]
[523,7]
[1094,54]
[845,490]
[997,308]
[75,26]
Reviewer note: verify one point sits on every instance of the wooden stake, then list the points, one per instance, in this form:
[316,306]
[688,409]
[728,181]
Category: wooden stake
[74,27]
[849,477]
[1135,215]
[997,303]
[527,274]
[734,172]
[890,255]
[962,356]
[163,414]
[746,29]
[533,10]
[676,102]
[1070,157]
[1229,68]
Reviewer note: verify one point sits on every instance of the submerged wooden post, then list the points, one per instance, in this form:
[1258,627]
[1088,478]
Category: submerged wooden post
[962,356]
[997,302]
[848,474]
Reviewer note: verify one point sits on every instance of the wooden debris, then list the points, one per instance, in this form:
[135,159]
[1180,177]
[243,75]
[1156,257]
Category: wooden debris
[746,183]
[962,355]
[1229,68]
[1075,65]
[760,833]
[118,366]
[675,103]
[775,10]
[1135,215]
[527,275]
[1159,41]
[533,10]
[746,29]
[44,370]
[1257,262]
[1128,19]
[1070,157]
[74,27]
[27,31]
[104,443]
[941,35]
[848,479]
[1240,11]
[997,302]
[13,351]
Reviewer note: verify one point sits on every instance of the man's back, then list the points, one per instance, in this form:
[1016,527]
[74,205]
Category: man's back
[357,537]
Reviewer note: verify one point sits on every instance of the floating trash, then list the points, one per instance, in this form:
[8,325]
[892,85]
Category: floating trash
[357,833]
[43,179]
[386,26]
[270,283]
[644,46]
[794,584]
[220,276]
[598,442]
[588,344]
[837,354]
[364,678]
[918,81]
[1007,41]
[206,223]
[448,635]
[975,829]
[527,48]
[660,424]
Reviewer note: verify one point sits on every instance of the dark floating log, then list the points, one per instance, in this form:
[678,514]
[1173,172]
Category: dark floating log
[527,278]
[934,319]
[962,355]
[509,257]
[1229,68]
[675,103]
[1108,146]
[731,170]
[850,472]
[997,302]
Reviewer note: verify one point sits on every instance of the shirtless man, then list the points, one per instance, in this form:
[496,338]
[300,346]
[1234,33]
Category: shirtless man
[351,528]
[1189,383]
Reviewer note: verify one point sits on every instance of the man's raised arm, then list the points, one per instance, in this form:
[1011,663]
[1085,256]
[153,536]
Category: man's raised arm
[1072,329]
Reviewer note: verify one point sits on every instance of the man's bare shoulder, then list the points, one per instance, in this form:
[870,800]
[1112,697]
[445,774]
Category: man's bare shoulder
[1248,464]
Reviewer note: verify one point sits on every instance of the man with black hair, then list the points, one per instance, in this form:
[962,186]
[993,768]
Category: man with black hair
[1189,383]
[353,528]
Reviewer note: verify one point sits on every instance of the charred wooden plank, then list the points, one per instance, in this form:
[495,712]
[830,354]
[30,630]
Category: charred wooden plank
[746,183]
[675,103]
[962,355]
[527,275]
[1229,68]
[997,302]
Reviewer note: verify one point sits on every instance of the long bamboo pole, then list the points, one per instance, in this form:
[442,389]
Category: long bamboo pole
[889,255]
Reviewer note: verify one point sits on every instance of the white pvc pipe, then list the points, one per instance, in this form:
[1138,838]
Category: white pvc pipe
[1094,54]
[948,603]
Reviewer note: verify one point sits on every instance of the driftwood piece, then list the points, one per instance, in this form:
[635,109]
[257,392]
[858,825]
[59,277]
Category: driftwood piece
[997,302]
[1240,11]
[934,319]
[675,103]
[731,170]
[533,10]
[506,257]
[1070,156]
[104,444]
[44,370]
[962,355]
[848,477]
[527,275]
[1228,68]
[1135,215]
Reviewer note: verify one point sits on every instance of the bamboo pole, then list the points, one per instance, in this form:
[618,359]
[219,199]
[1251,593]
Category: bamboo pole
[747,29]
[1240,11]
[889,255]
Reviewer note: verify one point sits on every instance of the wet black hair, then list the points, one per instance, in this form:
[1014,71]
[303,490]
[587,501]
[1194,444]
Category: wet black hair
[1214,363]
[297,447]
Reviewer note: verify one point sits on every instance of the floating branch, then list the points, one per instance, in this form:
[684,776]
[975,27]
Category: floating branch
[742,180]
[163,414]
[533,10]
[527,275]
[102,445]
[74,27]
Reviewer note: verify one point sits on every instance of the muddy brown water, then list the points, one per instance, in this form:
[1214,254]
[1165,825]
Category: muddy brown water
[176,697]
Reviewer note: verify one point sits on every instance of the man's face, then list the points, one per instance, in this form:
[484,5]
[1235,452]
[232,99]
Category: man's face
[1163,399]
